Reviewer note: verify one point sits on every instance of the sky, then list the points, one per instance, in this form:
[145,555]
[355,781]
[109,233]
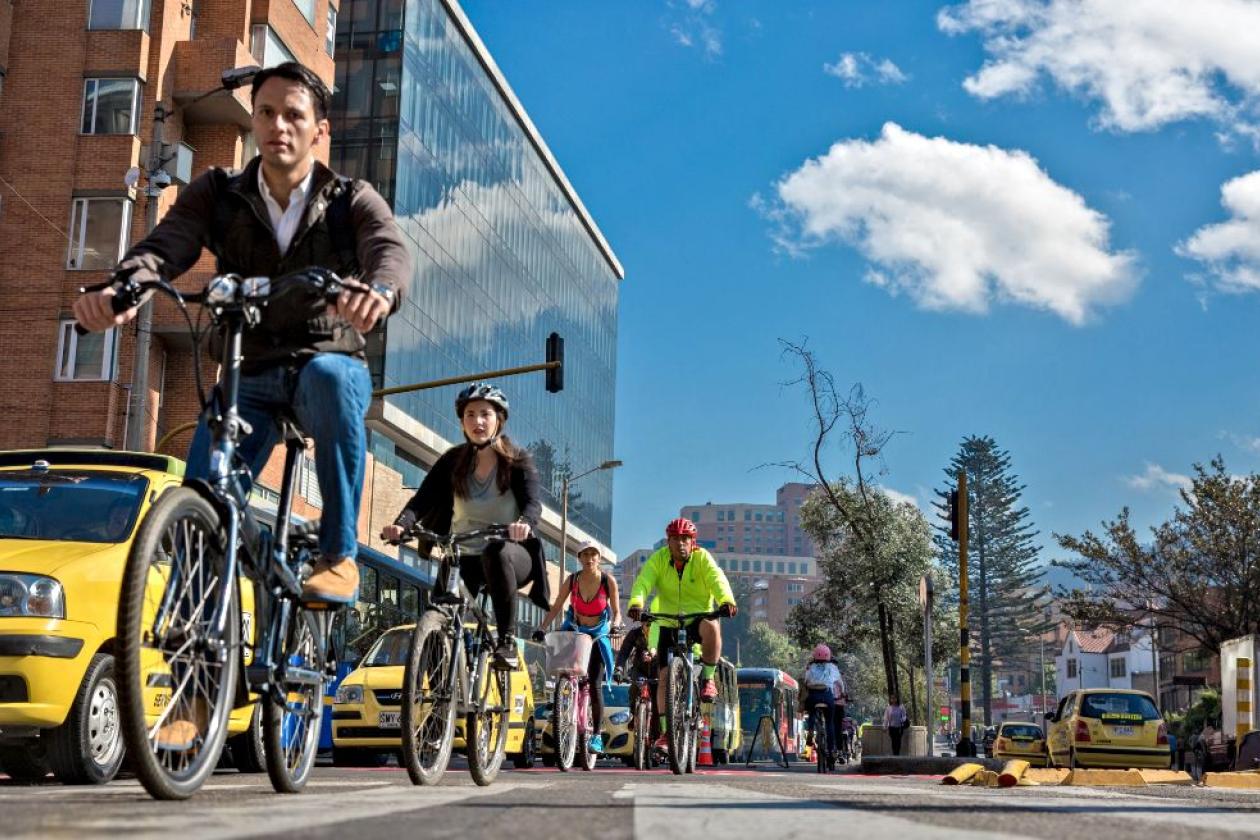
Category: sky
[1037,220]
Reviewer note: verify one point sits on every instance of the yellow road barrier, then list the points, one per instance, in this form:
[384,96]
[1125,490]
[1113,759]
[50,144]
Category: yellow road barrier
[1012,772]
[1166,777]
[1247,780]
[1045,775]
[962,774]
[1105,778]
[985,778]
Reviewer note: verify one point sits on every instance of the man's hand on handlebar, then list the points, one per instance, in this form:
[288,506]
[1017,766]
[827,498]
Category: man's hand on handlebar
[362,308]
[728,610]
[392,533]
[95,312]
[539,636]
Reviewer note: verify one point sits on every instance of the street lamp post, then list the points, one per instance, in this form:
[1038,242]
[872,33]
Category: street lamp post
[564,504]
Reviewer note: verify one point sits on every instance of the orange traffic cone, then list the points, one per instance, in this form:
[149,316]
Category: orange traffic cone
[704,756]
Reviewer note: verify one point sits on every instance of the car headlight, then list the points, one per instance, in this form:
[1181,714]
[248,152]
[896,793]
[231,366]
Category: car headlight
[349,694]
[31,595]
[619,718]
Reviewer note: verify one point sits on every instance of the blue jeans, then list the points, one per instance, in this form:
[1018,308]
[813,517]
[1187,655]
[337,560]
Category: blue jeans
[329,397]
[815,697]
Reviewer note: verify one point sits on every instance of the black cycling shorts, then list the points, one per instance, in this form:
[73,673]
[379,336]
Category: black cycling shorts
[669,637]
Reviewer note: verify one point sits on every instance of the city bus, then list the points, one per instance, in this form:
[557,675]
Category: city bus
[769,692]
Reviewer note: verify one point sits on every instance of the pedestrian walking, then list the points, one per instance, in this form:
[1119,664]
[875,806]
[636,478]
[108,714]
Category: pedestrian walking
[895,721]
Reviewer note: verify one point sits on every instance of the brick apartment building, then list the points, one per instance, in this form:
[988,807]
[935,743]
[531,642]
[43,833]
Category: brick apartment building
[80,85]
[761,548]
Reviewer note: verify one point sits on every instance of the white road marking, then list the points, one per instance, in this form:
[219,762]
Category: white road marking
[268,815]
[716,810]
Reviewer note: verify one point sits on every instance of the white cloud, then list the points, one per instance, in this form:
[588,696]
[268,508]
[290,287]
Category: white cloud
[690,23]
[954,225]
[1148,62]
[898,497]
[1231,249]
[1158,477]
[858,69]
[1247,443]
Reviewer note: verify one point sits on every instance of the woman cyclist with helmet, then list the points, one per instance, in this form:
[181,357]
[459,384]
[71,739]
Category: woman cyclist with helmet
[597,616]
[486,481]
[823,684]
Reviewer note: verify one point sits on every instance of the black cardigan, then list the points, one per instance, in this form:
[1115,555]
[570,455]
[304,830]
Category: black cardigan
[433,506]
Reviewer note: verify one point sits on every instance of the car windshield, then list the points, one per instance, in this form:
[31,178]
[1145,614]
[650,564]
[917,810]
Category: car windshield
[1021,731]
[390,649]
[618,695]
[72,506]
[1116,708]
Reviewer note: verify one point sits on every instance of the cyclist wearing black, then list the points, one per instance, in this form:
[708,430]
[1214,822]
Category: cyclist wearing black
[634,661]
[283,212]
[486,481]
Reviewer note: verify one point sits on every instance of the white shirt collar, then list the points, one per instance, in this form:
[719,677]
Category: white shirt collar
[298,194]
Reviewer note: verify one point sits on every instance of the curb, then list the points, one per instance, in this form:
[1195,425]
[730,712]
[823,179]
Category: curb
[921,765]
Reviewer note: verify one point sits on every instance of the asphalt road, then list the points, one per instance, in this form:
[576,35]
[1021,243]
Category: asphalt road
[616,803]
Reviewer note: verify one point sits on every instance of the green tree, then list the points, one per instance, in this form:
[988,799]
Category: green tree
[1003,569]
[768,648]
[1199,573]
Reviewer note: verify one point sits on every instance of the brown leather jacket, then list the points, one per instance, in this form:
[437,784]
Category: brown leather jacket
[224,212]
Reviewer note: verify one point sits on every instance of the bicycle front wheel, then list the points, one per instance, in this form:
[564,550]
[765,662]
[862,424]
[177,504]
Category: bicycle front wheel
[291,729]
[486,726]
[564,722]
[677,678]
[428,701]
[176,674]
[642,734]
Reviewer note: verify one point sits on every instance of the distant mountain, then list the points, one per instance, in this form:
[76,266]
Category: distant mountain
[1055,577]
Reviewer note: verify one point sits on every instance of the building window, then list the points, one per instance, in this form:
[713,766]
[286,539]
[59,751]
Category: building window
[780,567]
[1117,667]
[330,36]
[110,106]
[791,568]
[1197,660]
[118,14]
[98,232]
[307,8]
[84,358]
[748,516]
[266,47]
[1071,669]
[756,566]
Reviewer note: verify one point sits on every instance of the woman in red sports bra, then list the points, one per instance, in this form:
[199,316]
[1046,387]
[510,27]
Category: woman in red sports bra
[594,608]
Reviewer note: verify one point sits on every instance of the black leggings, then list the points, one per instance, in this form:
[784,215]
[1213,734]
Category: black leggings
[595,673]
[505,567]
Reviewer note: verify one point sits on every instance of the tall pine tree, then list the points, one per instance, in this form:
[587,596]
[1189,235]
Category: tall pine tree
[1003,573]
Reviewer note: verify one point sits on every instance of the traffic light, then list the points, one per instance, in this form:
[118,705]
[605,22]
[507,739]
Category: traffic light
[953,515]
[555,353]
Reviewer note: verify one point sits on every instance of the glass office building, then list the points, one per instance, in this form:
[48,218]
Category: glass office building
[505,253]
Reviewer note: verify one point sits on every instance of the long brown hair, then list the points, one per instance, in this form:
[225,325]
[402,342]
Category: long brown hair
[509,454]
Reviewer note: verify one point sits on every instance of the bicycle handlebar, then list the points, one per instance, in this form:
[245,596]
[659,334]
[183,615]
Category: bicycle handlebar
[227,289]
[646,617]
[417,532]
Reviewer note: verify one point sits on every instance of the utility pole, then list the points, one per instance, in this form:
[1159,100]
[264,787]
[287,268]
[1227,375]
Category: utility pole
[925,598]
[138,399]
[958,516]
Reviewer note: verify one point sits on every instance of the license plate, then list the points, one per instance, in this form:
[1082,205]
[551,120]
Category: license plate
[389,720]
[1122,730]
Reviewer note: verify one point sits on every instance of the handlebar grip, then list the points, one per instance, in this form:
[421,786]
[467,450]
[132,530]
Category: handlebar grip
[79,329]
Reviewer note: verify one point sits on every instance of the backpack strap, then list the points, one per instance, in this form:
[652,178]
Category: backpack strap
[340,224]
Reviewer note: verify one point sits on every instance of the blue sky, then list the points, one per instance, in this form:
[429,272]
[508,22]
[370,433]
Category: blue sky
[1002,217]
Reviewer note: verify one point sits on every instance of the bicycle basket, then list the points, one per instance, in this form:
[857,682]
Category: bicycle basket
[568,652]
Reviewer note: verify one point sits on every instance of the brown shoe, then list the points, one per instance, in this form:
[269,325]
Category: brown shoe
[332,581]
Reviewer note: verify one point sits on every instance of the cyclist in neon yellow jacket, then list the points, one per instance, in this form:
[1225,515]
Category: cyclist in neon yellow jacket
[687,580]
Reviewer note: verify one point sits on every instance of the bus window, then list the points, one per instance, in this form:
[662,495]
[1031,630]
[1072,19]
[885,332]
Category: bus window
[411,602]
[367,584]
[389,591]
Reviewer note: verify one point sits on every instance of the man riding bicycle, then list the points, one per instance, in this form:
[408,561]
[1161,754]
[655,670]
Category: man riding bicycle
[284,212]
[687,579]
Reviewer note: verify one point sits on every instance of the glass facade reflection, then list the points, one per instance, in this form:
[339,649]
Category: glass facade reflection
[503,257]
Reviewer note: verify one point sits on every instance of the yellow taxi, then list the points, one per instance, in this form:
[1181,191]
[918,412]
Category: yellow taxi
[367,709]
[1107,727]
[67,519]
[1020,740]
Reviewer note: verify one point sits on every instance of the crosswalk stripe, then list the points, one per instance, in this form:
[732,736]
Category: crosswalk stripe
[268,815]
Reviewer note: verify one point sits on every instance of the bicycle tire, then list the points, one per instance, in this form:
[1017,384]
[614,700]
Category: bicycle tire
[428,700]
[564,722]
[179,524]
[291,731]
[820,742]
[677,677]
[585,758]
[486,727]
[643,734]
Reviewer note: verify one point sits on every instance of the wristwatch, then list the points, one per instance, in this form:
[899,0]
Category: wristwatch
[385,292]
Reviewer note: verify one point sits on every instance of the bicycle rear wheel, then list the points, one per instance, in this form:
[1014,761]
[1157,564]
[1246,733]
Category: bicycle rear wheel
[677,677]
[176,684]
[820,742]
[564,722]
[291,729]
[486,726]
[428,701]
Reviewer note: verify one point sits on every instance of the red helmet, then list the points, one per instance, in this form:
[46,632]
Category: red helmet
[680,528]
